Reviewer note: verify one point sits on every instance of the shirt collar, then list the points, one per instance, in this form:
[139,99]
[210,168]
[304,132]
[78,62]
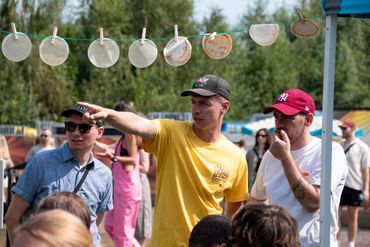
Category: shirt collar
[68,155]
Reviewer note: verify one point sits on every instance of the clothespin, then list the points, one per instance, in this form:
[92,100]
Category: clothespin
[176,34]
[301,17]
[101,36]
[143,35]
[14,30]
[55,30]
[212,36]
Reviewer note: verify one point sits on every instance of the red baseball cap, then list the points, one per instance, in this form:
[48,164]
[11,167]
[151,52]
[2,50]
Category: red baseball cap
[292,102]
[348,123]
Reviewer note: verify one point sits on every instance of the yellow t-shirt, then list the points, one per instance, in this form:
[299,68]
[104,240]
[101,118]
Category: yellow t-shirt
[192,179]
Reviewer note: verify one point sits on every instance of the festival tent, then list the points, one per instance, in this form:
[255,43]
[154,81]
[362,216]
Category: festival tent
[332,9]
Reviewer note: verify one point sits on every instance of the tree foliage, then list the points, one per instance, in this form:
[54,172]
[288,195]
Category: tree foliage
[31,90]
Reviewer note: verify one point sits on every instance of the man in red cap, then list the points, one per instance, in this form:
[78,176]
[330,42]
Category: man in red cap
[356,189]
[290,172]
[197,167]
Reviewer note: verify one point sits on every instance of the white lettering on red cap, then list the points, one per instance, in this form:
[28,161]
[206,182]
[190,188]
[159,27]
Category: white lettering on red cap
[283,97]
[306,108]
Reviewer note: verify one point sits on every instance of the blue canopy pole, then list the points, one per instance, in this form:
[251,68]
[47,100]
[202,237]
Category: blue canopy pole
[327,126]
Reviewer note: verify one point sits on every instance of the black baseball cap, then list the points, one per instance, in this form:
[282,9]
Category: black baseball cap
[210,85]
[80,110]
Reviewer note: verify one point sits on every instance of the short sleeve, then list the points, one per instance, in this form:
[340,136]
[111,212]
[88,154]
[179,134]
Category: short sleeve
[258,191]
[29,183]
[239,189]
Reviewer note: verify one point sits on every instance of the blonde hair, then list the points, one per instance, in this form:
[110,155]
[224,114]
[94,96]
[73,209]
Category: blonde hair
[56,228]
[4,150]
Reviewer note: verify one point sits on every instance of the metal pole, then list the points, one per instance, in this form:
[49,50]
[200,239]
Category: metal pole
[327,123]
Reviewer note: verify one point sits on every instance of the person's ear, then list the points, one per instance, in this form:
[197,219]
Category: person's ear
[225,107]
[308,120]
[100,133]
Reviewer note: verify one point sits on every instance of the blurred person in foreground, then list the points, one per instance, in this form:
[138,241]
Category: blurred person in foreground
[356,189]
[212,230]
[72,167]
[263,226]
[290,171]
[69,202]
[54,228]
[196,165]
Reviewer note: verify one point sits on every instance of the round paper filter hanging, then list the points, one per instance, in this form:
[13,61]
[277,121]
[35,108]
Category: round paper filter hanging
[16,50]
[105,55]
[264,34]
[142,54]
[54,54]
[305,29]
[218,47]
[177,53]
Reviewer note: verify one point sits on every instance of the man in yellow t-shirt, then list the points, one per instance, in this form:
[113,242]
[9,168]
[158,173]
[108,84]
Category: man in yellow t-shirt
[196,165]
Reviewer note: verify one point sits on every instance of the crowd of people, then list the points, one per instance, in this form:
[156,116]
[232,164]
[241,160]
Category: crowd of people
[271,193]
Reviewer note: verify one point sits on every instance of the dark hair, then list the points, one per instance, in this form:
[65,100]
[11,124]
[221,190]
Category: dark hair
[268,138]
[69,202]
[211,230]
[264,225]
[123,105]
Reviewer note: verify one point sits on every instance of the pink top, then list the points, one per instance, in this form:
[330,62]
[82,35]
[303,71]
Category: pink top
[126,184]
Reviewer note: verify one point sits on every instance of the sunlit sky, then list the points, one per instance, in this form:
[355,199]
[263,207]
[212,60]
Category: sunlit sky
[233,9]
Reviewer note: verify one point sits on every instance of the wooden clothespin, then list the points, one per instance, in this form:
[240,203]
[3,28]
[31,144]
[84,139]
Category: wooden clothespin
[212,36]
[14,30]
[143,35]
[176,34]
[301,17]
[55,31]
[101,31]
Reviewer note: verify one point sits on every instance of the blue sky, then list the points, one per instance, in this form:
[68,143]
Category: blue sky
[233,9]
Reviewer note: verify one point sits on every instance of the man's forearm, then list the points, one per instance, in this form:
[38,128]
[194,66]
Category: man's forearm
[232,208]
[10,227]
[131,123]
[365,179]
[307,195]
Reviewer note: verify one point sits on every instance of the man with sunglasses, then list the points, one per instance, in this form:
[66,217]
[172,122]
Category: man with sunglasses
[197,167]
[70,168]
[290,171]
[45,143]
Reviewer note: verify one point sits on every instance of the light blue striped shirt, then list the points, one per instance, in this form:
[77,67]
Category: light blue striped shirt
[57,170]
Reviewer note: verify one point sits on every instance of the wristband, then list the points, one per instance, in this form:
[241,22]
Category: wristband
[115,158]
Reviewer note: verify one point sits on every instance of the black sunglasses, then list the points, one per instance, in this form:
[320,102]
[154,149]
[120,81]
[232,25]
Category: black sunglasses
[83,128]
[261,135]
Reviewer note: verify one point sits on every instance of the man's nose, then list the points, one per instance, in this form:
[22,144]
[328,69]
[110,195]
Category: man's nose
[76,131]
[279,124]
[196,109]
